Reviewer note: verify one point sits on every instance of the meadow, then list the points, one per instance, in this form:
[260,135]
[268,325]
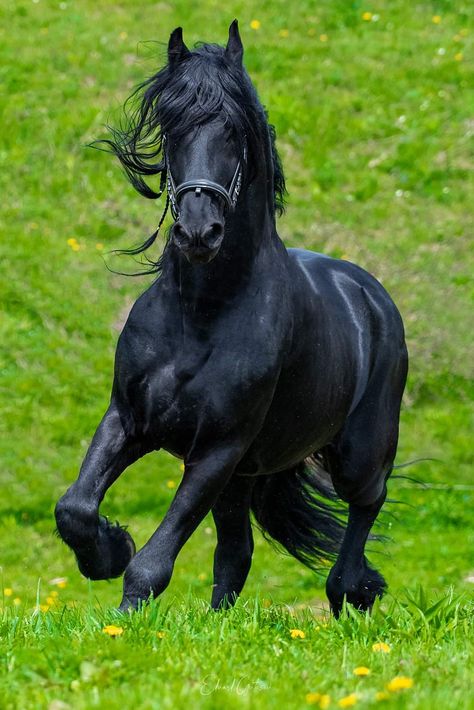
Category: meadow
[374,112]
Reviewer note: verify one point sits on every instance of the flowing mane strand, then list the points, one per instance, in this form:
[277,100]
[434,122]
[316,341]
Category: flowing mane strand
[203,87]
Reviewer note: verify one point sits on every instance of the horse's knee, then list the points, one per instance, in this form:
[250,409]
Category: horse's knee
[76,522]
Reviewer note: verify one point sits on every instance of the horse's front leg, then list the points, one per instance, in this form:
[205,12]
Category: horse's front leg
[233,555]
[102,550]
[150,571]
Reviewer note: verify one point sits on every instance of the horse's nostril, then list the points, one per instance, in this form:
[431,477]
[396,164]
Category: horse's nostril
[180,235]
[213,232]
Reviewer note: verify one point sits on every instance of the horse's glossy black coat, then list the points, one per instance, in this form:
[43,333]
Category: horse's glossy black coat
[244,359]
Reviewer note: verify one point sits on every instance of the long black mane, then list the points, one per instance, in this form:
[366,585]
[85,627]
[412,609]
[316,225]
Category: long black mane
[205,86]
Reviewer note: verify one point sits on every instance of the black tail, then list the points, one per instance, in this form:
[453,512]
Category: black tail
[289,507]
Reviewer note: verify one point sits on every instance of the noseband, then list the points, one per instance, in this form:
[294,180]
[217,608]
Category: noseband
[229,196]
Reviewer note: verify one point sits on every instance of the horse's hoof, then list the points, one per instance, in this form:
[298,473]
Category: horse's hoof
[361,593]
[111,553]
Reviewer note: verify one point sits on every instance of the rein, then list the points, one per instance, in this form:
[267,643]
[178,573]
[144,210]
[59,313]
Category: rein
[230,196]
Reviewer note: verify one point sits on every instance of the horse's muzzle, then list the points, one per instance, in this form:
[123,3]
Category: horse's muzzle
[199,246]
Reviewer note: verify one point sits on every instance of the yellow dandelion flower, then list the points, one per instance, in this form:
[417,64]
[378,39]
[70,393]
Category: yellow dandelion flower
[297,634]
[325,701]
[400,682]
[202,576]
[54,594]
[161,634]
[170,484]
[44,607]
[361,670]
[123,35]
[8,591]
[436,19]
[182,467]
[382,695]
[458,57]
[17,601]
[323,38]
[71,241]
[99,246]
[75,247]
[255,24]
[348,701]
[284,33]
[381,646]
[313,698]
[60,582]
[112,630]
[367,16]
[50,601]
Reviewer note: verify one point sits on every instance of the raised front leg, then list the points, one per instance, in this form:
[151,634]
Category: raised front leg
[102,550]
[233,555]
[150,571]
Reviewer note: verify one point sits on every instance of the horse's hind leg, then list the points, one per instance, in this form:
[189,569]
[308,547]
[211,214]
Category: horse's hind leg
[233,555]
[360,461]
[352,577]
[102,550]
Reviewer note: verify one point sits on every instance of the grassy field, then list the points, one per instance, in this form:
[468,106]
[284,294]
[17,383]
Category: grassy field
[374,110]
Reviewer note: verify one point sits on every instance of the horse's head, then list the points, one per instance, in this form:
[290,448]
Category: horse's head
[204,166]
[199,125]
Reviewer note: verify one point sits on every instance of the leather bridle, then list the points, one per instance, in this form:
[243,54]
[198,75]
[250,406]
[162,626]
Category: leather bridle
[229,195]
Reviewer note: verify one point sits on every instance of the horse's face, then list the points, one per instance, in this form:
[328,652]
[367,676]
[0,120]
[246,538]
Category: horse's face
[204,181]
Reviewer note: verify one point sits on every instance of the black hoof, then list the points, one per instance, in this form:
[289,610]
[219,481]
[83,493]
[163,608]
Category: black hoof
[360,590]
[145,579]
[110,554]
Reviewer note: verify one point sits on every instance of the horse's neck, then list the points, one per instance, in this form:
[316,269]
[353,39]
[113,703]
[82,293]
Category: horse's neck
[248,244]
[227,275]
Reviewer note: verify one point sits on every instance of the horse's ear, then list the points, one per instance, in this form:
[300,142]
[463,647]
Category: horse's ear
[177,50]
[234,50]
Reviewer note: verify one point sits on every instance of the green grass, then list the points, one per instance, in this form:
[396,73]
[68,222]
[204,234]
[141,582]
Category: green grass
[375,125]
[183,655]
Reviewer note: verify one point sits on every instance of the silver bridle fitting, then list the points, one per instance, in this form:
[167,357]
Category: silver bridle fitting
[229,196]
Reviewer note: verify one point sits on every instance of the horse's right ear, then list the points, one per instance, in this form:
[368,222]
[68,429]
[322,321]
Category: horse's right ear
[177,50]
[234,50]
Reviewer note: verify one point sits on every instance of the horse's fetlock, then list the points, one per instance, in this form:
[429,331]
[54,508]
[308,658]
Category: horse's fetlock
[76,523]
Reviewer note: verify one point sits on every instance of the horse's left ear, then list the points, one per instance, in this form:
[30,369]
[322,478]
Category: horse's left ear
[234,50]
[177,50]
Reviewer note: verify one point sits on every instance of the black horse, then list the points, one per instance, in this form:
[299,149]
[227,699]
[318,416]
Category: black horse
[275,374]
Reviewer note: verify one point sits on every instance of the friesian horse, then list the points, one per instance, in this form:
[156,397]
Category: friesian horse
[275,374]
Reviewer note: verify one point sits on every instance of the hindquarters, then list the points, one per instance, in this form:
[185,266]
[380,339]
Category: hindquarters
[296,507]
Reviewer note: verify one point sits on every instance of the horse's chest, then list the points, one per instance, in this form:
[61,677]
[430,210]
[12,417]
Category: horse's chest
[166,397]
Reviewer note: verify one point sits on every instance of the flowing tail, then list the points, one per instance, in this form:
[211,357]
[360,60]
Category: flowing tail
[297,509]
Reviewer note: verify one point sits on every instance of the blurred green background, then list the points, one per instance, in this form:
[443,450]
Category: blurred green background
[374,111]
